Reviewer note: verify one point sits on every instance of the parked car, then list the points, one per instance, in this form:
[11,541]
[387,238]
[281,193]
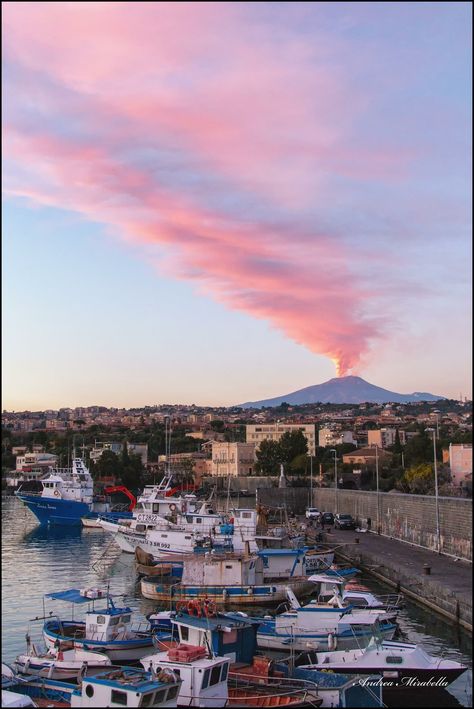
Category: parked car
[312,513]
[344,522]
[327,518]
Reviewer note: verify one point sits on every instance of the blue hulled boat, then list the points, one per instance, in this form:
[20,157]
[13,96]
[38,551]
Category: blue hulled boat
[67,495]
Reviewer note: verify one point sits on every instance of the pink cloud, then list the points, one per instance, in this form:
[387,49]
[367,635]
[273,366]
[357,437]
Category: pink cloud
[182,125]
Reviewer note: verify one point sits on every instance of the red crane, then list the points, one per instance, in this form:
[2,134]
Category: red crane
[126,491]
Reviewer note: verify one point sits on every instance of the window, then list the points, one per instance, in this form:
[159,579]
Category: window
[147,700]
[173,693]
[126,618]
[164,536]
[215,675]
[100,619]
[246,515]
[90,690]
[395,660]
[205,680]
[114,621]
[184,632]
[225,669]
[159,698]
[119,697]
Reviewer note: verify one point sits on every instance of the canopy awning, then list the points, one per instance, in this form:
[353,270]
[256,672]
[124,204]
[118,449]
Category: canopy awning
[73,595]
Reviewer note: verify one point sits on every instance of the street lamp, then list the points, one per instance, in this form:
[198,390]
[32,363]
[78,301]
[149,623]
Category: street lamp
[333,450]
[437,412]
[433,431]
[311,482]
[377,483]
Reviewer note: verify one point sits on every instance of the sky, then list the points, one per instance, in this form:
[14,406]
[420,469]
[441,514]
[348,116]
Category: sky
[213,203]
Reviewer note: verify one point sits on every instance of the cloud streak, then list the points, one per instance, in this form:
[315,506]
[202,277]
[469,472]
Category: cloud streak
[226,141]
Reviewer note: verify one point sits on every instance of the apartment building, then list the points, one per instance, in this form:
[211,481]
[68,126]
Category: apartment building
[232,459]
[330,437]
[384,437]
[256,433]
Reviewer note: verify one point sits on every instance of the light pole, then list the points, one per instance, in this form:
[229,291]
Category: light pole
[311,482]
[377,484]
[438,544]
[333,450]
[437,412]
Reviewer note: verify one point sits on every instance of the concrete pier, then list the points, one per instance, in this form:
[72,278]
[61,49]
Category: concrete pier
[436,581]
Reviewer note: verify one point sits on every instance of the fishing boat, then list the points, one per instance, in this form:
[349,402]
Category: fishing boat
[344,690]
[215,657]
[323,626]
[184,530]
[354,595]
[107,629]
[224,578]
[393,660]
[63,662]
[118,687]
[66,495]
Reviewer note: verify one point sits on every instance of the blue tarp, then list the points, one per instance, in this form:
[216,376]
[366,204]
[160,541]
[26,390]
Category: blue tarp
[72,596]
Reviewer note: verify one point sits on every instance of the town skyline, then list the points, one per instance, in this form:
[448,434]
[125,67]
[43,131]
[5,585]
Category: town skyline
[221,203]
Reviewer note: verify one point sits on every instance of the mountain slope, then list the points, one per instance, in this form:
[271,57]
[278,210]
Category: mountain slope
[343,390]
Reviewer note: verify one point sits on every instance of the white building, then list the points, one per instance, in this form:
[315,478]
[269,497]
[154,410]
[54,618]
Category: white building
[232,459]
[256,433]
[38,461]
[140,449]
[328,437]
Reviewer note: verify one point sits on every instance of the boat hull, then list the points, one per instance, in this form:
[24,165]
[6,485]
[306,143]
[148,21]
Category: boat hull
[119,651]
[317,640]
[55,511]
[231,595]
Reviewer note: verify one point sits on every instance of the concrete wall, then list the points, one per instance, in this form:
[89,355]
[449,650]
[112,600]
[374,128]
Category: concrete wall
[410,518]
[296,499]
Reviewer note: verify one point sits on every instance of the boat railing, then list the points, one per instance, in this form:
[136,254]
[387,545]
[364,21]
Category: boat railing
[290,682]
[391,600]
[259,687]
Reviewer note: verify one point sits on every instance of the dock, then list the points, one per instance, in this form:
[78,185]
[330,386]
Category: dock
[433,580]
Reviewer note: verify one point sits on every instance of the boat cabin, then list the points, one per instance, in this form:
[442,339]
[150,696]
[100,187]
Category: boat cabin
[127,687]
[223,570]
[283,563]
[229,635]
[108,624]
[204,679]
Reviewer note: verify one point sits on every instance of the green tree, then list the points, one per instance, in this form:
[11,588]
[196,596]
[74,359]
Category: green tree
[418,479]
[292,444]
[419,449]
[108,464]
[268,458]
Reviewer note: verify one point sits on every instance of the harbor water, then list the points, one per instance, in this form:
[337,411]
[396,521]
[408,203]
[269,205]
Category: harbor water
[37,560]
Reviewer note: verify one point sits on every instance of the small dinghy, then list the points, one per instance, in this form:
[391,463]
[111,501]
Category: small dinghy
[62,662]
